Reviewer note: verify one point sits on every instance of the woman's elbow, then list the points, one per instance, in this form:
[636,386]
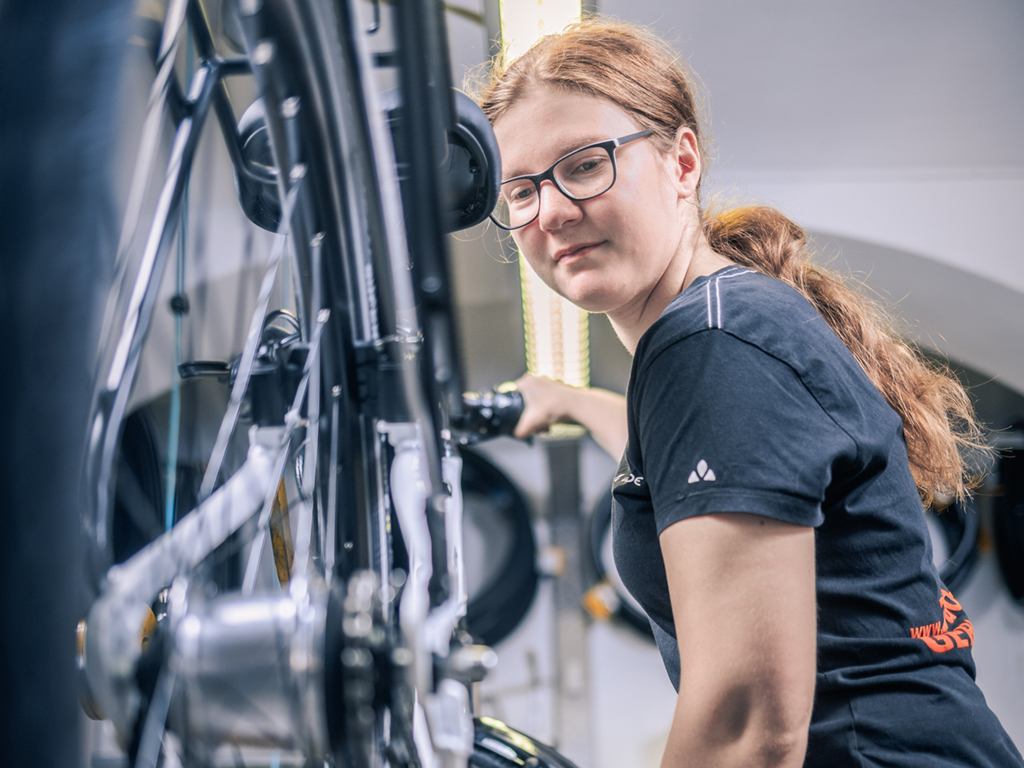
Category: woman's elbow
[784,729]
[744,725]
[768,725]
[784,749]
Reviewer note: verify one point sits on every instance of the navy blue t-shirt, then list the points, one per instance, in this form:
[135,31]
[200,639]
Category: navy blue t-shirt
[742,399]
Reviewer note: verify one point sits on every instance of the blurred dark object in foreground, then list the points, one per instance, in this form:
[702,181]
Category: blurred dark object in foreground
[58,74]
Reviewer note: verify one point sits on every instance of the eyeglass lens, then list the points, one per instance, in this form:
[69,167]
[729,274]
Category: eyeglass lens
[586,173]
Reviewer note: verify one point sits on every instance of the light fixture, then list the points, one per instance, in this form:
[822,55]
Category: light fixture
[557,333]
[524,21]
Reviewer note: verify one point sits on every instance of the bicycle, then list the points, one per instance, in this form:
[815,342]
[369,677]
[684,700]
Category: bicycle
[335,446]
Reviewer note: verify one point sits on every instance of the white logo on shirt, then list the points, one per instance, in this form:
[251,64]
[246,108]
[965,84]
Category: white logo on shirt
[702,472]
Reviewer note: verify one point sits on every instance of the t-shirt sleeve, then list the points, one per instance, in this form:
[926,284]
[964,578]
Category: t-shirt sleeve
[725,427]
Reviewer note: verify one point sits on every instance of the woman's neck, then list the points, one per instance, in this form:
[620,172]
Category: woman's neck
[631,323]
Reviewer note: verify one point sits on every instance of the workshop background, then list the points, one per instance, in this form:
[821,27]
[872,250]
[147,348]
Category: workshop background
[891,131]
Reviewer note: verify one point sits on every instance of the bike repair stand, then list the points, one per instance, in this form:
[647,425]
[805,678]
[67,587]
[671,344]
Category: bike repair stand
[565,521]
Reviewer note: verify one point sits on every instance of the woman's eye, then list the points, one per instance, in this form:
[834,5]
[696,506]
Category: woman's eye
[588,166]
[521,195]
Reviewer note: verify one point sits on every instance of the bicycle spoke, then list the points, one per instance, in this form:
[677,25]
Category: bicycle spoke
[150,741]
[139,311]
[312,376]
[291,421]
[332,491]
[252,340]
[150,135]
[260,539]
[313,407]
[205,528]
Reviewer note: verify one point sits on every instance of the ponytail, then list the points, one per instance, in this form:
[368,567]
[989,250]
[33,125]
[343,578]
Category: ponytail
[938,419]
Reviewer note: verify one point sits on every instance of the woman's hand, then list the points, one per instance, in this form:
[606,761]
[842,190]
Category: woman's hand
[547,401]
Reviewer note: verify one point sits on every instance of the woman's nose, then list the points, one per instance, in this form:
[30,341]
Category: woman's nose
[556,210]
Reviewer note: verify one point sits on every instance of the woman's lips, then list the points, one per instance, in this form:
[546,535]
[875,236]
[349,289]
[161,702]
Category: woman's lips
[574,253]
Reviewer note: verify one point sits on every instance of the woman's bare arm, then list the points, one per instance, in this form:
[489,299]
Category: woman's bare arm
[743,597]
[547,402]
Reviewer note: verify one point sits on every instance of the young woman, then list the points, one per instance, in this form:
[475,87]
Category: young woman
[768,509]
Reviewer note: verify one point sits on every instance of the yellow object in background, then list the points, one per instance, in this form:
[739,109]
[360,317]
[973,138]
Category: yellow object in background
[281,536]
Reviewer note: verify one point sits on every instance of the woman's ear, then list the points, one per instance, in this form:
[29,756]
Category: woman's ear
[686,167]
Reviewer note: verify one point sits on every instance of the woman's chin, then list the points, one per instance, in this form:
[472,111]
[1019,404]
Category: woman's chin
[595,300]
[587,289]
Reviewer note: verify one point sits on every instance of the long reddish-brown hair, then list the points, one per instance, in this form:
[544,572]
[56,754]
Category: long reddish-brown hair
[642,75]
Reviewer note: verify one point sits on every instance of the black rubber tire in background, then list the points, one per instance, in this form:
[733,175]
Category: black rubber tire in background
[959,525]
[494,612]
[58,73]
[499,604]
[1008,519]
[599,526]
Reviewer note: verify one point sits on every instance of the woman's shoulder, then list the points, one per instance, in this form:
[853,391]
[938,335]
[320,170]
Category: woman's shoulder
[749,305]
[738,321]
[738,327]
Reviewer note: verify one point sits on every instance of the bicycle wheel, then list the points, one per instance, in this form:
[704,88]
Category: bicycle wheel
[326,372]
[276,420]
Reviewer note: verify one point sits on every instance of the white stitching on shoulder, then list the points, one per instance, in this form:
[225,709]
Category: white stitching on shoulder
[718,296]
[707,291]
[728,272]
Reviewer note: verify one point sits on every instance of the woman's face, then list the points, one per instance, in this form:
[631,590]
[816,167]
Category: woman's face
[607,254]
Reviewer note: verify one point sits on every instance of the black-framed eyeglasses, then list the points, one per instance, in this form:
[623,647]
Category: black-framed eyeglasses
[581,175]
